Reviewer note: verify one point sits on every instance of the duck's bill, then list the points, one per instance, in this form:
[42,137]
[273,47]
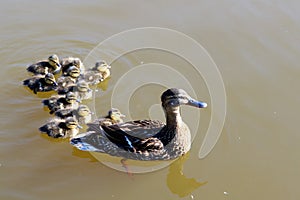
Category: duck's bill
[198,104]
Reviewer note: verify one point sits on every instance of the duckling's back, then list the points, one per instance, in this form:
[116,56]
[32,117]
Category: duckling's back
[40,67]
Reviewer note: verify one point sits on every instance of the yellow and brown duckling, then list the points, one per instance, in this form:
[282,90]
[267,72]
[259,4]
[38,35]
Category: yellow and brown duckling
[164,142]
[57,102]
[61,128]
[97,74]
[114,116]
[81,88]
[103,68]
[73,72]
[68,78]
[51,65]
[71,61]
[82,114]
[41,83]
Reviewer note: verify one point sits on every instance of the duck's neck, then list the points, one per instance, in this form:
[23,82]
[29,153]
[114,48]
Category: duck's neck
[173,122]
[173,117]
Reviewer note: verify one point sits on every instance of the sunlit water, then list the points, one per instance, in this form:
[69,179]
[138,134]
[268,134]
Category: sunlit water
[256,47]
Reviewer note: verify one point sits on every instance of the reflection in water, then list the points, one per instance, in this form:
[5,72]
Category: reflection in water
[176,180]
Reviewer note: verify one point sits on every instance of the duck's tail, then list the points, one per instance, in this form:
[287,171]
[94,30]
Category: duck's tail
[46,102]
[88,141]
[26,82]
[43,129]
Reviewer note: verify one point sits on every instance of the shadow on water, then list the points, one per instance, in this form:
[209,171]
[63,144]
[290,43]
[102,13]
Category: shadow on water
[177,182]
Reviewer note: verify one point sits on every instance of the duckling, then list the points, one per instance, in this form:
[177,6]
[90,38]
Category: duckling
[57,102]
[60,128]
[81,89]
[71,61]
[96,74]
[41,83]
[114,117]
[82,114]
[68,78]
[43,67]
[91,77]
[72,71]
[103,68]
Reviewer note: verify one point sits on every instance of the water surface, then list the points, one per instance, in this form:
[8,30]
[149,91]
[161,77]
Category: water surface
[256,47]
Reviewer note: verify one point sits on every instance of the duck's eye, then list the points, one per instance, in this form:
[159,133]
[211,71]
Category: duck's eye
[174,102]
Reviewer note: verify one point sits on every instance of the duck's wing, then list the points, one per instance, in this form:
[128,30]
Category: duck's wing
[53,103]
[64,82]
[52,129]
[64,89]
[134,136]
[31,82]
[64,113]
[139,128]
[92,77]
[38,68]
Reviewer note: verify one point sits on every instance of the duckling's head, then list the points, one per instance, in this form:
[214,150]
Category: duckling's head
[83,110]
[172,98]
[71,97]
[73,72]
[50,79]
[77,63]
[116,115]
[54,62]
[102,66]
[83,86]
[72,123]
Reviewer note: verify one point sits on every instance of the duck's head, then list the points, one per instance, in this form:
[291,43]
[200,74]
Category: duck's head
[50,79]
[72,123]
[83,110]
[173,98]
[116,115]
[73,72]
[54,62]
[72,98]
[83,86]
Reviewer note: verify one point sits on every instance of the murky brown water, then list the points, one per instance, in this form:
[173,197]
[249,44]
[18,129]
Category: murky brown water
[256,47]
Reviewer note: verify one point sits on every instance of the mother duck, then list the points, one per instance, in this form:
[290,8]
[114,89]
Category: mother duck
[144,139]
